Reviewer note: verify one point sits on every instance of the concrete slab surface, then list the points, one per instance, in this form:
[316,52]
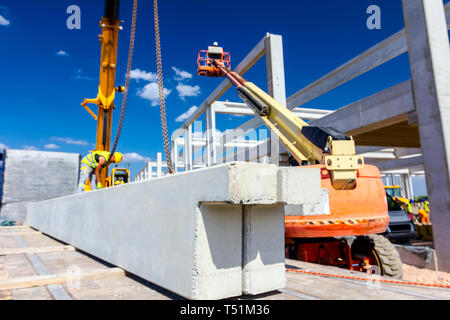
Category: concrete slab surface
[298,286]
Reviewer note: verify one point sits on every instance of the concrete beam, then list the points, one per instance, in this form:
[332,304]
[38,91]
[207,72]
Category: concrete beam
[429,55]
[395,135]
[184,232]
[393,164]
[243,109]
[380,53]
[379,110]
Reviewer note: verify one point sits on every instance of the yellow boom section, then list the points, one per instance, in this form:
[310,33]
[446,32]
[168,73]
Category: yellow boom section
[340,158]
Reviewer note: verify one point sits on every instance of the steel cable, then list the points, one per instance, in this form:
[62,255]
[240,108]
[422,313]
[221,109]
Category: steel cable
[162,103]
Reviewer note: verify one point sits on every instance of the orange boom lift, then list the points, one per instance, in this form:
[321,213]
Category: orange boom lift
[347,236]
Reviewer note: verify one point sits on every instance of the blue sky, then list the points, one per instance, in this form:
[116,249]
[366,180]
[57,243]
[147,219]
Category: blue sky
[47,69]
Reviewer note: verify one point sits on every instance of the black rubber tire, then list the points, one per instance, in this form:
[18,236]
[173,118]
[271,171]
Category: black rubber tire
[390,263]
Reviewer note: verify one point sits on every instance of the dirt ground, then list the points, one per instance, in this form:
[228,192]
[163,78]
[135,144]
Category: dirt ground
[415,274]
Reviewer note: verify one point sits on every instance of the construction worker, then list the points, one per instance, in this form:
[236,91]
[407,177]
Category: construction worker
[91,166]
[426,205]
[424,216]
[119,181]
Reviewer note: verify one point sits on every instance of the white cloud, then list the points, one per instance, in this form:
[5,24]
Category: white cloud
[180,75]
[3,146]
[185,90]
[70,141]
[31,148]
[182,117]
[139,74]
[134,157]
[4,21]
[150,92]
[51,146]
[62,53]
[80,77]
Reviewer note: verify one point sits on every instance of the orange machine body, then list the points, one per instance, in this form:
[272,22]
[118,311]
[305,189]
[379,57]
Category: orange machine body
[359,211]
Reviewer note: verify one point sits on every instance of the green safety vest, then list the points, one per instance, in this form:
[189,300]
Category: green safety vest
[91,160]
[426,206]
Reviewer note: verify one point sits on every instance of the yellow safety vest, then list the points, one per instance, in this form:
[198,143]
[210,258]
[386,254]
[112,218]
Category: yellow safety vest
[90,158]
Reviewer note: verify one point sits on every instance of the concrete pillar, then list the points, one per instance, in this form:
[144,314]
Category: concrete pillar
[159,164]
[149,169]
[175,155]
[211,151]
[262,258]
[275,85]
[187,151]
[410,183]
[402,185]
[392,176]
[429,55]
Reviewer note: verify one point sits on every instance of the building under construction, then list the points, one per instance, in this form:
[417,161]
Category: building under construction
[295,203]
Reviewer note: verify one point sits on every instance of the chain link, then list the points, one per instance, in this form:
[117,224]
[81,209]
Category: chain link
[162,103]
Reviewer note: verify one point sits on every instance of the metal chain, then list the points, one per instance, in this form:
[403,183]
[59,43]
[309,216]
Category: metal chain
[127,80]
[162,103]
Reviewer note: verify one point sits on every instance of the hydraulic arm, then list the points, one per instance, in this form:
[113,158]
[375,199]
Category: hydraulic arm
[307,144]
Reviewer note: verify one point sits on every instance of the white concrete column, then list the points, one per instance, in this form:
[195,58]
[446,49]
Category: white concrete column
[263,259]
[159,164]
[211,151]
[410,183]
[175,155]
[407,184]
[392,179]
[275,85]
[187,151]
[149,169]
[429,56]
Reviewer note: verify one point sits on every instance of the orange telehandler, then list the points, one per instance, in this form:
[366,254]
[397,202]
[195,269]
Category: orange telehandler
[348,236]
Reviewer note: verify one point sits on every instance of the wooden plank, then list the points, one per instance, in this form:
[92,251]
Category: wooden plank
[44,280]
[11,251]
[16,228]
[24,233]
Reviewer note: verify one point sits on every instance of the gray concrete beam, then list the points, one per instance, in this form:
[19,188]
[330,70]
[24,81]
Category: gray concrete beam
[429,55]
[380,53]
[393,164]
[184,232]
[372,112]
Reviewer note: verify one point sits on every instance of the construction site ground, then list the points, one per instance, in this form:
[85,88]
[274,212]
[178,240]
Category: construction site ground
[34,266]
